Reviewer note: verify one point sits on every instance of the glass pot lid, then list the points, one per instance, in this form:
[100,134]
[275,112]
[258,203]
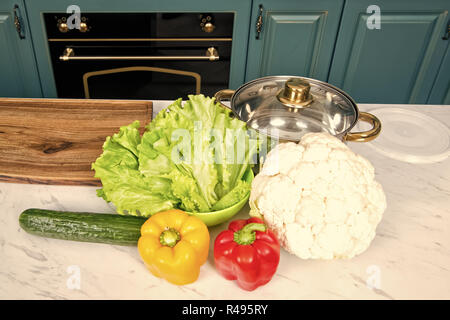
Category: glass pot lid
[287,107]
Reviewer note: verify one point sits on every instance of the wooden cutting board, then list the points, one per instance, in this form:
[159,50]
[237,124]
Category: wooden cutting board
[54,141]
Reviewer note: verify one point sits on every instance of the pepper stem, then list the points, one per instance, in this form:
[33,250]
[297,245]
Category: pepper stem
[169,237]
[247,234]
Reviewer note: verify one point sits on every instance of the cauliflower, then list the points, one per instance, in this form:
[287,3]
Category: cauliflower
[319,198]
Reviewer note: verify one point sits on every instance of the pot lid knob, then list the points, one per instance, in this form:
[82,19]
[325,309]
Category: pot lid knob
[295,93]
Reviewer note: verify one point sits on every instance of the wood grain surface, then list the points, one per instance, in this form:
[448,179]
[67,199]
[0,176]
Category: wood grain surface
[54,141]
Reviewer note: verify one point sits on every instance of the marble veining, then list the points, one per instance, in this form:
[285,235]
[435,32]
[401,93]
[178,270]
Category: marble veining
[408,259]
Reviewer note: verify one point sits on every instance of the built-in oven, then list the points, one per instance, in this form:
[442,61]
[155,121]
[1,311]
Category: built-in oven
[139,55]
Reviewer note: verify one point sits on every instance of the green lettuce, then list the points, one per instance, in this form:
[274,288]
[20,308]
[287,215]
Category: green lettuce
[192,156]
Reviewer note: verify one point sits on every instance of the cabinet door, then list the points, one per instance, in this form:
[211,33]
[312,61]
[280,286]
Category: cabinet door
[396,63]
[18,72]
[440,94]
[296,38]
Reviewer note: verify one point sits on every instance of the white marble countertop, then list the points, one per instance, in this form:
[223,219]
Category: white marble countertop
[408,259]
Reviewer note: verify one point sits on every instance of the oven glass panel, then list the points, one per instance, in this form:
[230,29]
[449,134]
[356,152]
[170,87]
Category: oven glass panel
[152,85]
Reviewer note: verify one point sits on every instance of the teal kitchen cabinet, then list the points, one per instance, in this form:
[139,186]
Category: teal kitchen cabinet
[18,72]
[295,37]
[397,62]
[240,8]
[440,94]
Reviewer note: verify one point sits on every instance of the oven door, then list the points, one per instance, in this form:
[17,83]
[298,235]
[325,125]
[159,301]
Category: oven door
[140,70]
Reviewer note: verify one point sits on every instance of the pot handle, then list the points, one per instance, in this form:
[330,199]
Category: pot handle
[224,94]
[368,135]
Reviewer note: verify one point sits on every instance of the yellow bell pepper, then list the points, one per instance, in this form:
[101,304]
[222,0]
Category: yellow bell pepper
[174,245]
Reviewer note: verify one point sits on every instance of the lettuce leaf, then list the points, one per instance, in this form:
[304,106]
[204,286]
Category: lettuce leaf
[192,156]
[123,184]
[241,189]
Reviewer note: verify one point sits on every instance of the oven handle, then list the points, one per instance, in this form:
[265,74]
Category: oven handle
[211,54]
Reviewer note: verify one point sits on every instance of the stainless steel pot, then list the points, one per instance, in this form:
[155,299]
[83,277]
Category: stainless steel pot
[287,107]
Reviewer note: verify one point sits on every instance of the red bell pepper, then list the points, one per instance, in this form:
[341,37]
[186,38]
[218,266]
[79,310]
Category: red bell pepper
[247,252]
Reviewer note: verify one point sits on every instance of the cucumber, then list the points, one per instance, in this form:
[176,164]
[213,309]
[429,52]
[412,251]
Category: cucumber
[82,226]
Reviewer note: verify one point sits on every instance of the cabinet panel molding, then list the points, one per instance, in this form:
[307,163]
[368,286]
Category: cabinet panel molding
[297,38]
[292,37]
[18,71]
[397,63]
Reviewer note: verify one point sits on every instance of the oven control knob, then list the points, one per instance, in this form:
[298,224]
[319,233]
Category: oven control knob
[207,22]
[62,26]
[208,27]
[83,27]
